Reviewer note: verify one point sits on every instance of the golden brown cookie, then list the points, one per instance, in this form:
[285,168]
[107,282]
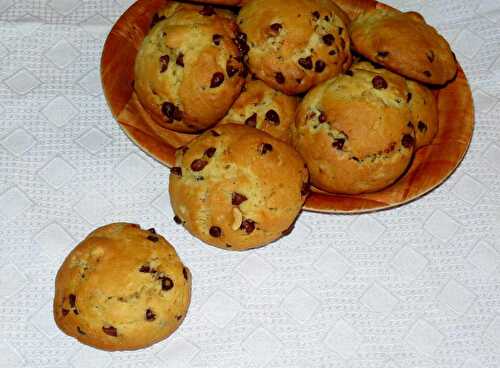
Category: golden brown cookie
[405,44]
[259,106]
[188,71]
[422,104]
[296,44]
[122,288]
[237,187]
[353,132]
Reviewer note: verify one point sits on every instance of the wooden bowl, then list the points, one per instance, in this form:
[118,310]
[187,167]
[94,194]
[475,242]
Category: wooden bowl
[431,166]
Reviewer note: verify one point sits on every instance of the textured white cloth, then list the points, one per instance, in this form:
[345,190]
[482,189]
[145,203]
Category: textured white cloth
[415,286]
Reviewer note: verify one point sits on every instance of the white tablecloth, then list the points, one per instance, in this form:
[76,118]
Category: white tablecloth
[415,286]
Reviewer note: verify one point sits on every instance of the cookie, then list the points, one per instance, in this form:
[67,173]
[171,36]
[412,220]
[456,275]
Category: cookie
[353,131]
[188,70]
[223,2]
[259,106]
[422,104]
[424,113]
[122,288]
[237,187]
[405,44]
[296,44]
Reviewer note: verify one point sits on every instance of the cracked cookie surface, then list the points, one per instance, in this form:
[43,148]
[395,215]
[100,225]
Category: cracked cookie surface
[237,187]
[259,106]
[354,132]
[122,288]
[189,69]
[296,44]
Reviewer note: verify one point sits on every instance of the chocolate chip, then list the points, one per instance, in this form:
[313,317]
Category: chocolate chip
[276,27]
[168,109]
[180,60]
[217,38]
[332,52]
[198,164]
[289,230]
[241,42]
[215,231]
[316,15]
[422,126]
[355,158]
[328,39]
[252,120]
[217,80]
[379,82]
[164,60]
[72,300]
[156,19]
[427,73]
[273,117]
[80,331]
[185,273]
[214,133]
[237,199]
[322,117]
[338,143]
[178,318]
[350,73]
[177,220]
[306,63]
[265,148]
[280,78]
[306,188]
[166,283]
[410,125]
[407,141]
[207,11]
[210,152]
[319,66]
[176,171]
[248,225]
[64,312]
[326,18]
[145,269]
[150,316]
[152,230]
[110,330]
[383,54]
[153,238]
[232,67]
[342,43]
[340,30]
[408,97]
[430,56]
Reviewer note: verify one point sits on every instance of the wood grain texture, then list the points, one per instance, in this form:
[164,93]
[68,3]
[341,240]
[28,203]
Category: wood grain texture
[431,166]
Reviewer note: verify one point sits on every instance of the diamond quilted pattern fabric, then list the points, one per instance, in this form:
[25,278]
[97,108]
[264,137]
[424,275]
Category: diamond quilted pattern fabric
[415,286]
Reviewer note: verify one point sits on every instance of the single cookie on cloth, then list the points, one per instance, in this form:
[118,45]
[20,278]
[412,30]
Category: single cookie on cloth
[122,288]
[237,187]
[259,106]
[405,44]
[296,44]
[188,70]
[421,101]
[354,132]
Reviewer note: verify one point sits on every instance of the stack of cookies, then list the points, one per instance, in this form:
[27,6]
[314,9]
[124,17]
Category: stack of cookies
[340,100]
[277,96]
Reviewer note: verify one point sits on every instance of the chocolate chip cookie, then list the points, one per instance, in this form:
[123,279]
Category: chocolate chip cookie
[237,187]
[122,288]
[405,44]
[354,132]
[296,44]
[421,101]
[259,106]
[189,69]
